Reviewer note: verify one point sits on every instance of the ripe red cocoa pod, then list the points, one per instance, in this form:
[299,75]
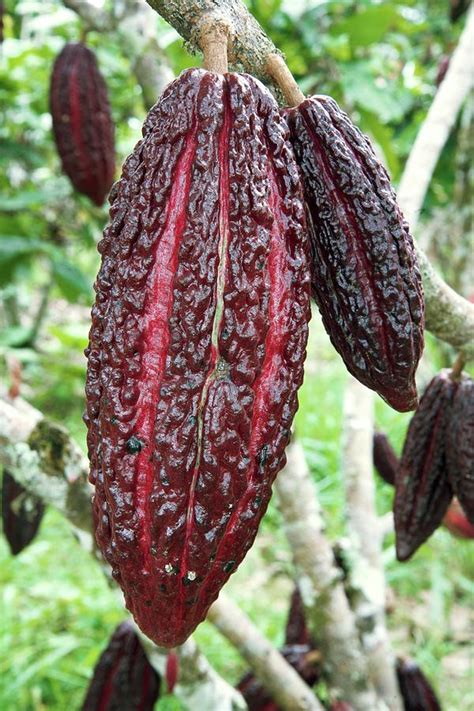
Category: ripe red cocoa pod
[423,491]
[82,123]
[197,345]
[123,679]
[365,278]
[415,689]
[456,521]
[385,459]
[460,445]
[22,514]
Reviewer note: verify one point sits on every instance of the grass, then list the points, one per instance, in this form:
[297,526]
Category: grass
[59,610]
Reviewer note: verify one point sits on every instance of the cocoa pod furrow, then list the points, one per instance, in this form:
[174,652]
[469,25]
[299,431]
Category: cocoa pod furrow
[460,445]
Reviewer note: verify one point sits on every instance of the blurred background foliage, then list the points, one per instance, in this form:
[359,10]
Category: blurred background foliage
[380,61]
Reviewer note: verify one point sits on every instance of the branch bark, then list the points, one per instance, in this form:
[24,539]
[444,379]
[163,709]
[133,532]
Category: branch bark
[329,615]
[367,580]
[284,684]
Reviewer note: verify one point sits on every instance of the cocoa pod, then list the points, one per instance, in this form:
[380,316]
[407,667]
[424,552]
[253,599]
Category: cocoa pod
[460,445]
[341,706]
[415,689]
[197,345]
[456,521]
[365,278]
[82,123]
[384,457]
[423,491]
[123,678]
[22,514]
[296,631]
[304,659]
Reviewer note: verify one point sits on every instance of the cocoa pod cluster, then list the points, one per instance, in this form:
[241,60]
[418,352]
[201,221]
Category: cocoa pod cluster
[123,679]
[22,514]
[82,123]
[200,324]
[437,464]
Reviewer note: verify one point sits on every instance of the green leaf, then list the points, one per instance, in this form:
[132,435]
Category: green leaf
[13,336]
[383,135]
[367,27]
[31,198]
[71,281]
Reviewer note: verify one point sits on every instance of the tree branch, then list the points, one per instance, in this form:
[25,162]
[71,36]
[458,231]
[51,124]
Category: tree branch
[329,615]
[448,315]
[367,580]
[282,682]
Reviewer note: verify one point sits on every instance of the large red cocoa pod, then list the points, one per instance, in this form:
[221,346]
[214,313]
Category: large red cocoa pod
[197,345]
[82,122]
[384,456]
[415,689]
[123,679]
[22,514]
[365,277]
[460,445]
[423,491]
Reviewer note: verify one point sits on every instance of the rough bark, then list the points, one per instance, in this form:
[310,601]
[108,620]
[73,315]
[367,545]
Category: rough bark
[367,572]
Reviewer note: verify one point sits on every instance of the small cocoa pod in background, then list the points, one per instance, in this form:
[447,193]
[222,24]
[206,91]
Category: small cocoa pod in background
[341,706]
[296,631]
[415,689]
[123,678]
[365,277]
[197,345]
[423,491]
[384,457]
[82,123]
[460,445]
[22,514]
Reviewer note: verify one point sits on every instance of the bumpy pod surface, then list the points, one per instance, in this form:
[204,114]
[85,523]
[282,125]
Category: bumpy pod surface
[415,689]
[423,491]
[460,445]
[22,514]
[123,679]
[384,456]
[197,345]
[82,122]
[365,277]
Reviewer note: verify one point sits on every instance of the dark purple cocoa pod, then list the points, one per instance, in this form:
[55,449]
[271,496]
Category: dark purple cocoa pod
[297,631]
[365,277]
[22,514]
[460,445]
[416,691]
[385,459]
[423,491]
[123,679]
[82,122]
[442,68]
[197,345]
[304,659]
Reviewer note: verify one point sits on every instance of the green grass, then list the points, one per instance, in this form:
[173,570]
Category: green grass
[58,609]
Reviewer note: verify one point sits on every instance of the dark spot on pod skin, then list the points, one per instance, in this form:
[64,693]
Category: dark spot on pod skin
[263,456]
[113,420]
[228,566]
[134,445]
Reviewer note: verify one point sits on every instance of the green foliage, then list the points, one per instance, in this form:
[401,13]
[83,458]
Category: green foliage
[379,60]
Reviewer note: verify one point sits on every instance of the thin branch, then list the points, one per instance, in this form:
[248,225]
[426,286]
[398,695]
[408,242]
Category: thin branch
[367,580]
[448,315]
[282,682]
[329,615]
